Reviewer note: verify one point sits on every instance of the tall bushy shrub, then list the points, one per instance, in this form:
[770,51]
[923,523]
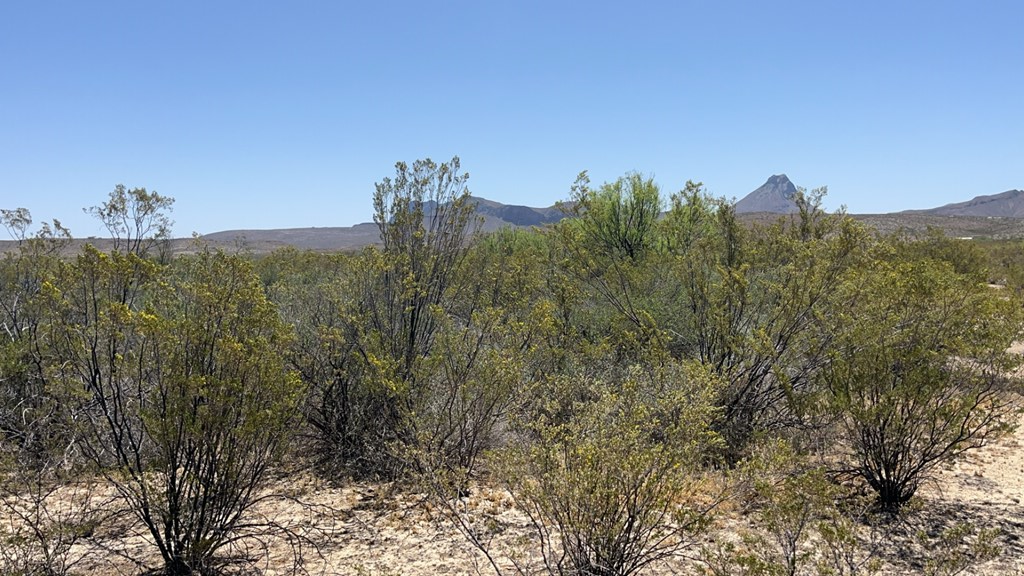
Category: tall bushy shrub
[179,383]
[919,372]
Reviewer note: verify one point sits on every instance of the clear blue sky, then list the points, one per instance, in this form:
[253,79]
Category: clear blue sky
[267,115]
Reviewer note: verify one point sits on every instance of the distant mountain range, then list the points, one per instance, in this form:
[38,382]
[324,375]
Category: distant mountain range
[1009,204]
[774,197]
[993,216]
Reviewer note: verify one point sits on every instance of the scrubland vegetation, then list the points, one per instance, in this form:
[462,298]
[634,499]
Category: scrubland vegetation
[628,377]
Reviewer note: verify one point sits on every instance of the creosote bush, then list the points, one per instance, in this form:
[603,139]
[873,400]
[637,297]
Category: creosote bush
[919,374]
[178,381]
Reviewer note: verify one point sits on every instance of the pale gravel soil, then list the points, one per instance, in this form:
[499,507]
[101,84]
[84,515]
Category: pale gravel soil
[986,487]
[366,530]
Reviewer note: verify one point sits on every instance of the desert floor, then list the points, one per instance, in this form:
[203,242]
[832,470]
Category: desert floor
[364,529]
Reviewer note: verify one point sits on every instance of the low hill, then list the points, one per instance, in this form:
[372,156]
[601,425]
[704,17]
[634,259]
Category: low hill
[325,239]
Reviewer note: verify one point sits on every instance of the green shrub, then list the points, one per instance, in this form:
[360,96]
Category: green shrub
[620,484]
[918,374]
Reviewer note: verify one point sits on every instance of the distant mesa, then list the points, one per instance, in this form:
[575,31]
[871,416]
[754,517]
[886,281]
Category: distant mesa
[1009,204]
[776,196]
[328,239]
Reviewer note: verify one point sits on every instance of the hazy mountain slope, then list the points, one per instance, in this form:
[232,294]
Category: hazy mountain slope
[497,215]
[1009,204]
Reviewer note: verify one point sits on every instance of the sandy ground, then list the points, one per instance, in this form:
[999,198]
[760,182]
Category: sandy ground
[364,530]
[986,488]
[360,529]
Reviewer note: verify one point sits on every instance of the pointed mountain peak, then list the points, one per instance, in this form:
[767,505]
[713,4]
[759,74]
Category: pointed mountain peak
[779,180]
[774,196]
